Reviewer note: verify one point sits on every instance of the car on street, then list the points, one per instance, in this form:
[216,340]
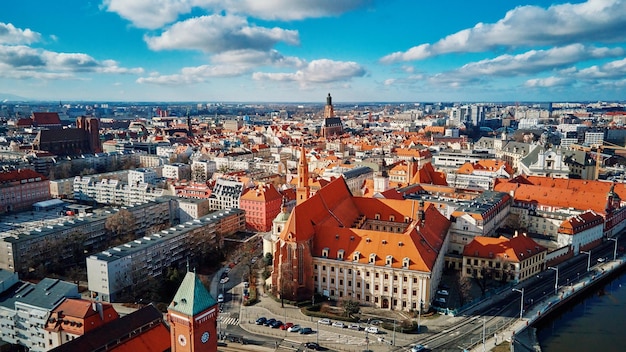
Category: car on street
[372,330]
[294,328]
[376,322]
[325,321]
[220,298]
[443,292]
[227,270]
[440,300]
[306,331]
[354,326]
[224,280]
[339,324]
[286,326]
[261,321]
[277,324]
[601,260]
[418,348]
[269,322]
[312,346]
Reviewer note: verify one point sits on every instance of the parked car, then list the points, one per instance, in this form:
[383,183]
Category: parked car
[277,324]
[376,322]
[354,326]
[246,284]
[339,324]
[601,260]
[224,280]
[440,300]
[269,322]
[372,330]
[227,270]
[220,298]
[286,326]
[306,331]
[312,346]
[261,321]
[443,292]
[294,328]
[325,321]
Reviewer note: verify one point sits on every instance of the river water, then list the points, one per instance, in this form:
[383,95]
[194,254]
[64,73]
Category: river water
[596,322]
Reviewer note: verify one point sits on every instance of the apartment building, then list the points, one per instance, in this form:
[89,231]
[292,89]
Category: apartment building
[26,307]
[177,171]
[19,189]
[22,251]
[261,204]
[112,273]
[142,175]
[113,191]
[226,194]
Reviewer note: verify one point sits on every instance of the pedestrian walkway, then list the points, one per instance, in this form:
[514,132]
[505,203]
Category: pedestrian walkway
[226,320]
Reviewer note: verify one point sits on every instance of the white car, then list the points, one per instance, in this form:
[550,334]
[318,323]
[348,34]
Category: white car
[325,321]
[354,326]
[418,348]
[224,280]
[339,324]
[294,328]
[220,298]
[443,292]
[371,330]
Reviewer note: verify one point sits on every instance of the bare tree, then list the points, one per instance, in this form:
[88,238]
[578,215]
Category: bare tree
[198,174]
[463,287]
[121,225]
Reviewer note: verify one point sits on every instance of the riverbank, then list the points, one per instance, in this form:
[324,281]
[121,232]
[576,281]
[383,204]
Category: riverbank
[523,334]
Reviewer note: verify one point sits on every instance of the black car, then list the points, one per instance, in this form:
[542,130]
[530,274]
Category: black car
[306,331]
[312,346]
[269,322]
[261,321]
[276,324]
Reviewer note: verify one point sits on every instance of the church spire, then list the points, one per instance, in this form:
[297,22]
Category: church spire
[302,192]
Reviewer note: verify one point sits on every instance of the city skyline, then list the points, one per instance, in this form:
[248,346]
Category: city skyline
[285,51]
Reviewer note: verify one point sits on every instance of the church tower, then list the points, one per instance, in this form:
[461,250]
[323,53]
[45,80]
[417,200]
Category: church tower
[328,109]
[192,317]
[303,192]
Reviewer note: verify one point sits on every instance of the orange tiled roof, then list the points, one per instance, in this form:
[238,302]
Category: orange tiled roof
[155,339]
[563,193]
[582,222]
[513,250]
[328,217]
[262,193]
[427,174]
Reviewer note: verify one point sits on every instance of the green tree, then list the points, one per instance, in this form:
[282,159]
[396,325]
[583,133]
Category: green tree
[121,225]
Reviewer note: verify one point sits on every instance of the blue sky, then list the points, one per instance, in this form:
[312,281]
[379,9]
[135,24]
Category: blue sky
[298,51]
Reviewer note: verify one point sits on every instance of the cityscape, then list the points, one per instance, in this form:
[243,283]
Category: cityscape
[351,175]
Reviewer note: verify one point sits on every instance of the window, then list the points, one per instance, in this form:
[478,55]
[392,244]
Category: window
[356,256]
[389,260]
[325,252]
[332,281]
[386,276]
[372,258]
[375,287]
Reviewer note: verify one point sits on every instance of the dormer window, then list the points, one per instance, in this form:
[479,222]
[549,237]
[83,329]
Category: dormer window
[340,254]
[377,216]
[325,252]
[407,219]
[405,262]
[372,258]
[389,260]
[392,218]
[356,256]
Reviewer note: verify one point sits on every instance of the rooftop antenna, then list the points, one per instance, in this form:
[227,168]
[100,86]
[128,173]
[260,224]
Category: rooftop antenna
[188,265]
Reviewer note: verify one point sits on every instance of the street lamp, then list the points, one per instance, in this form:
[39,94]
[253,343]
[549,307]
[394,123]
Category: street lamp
[317,335]
[615,250]
[521,308]
[556,282]
[419,316]
[588,259]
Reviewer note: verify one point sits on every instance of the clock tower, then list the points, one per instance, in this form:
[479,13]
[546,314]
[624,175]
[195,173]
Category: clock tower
[192,317]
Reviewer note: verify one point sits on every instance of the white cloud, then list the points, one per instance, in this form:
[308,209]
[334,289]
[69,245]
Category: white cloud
[151,14]
[317,71]
[215,34]
[23,61]
[11,35]
[284,9]
[613,69]
[525,26]
[257,58]
[535,61]
[548,82]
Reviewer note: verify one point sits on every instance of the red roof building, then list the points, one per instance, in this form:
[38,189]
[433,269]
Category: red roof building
[20,189]
[504,259]
[262,204]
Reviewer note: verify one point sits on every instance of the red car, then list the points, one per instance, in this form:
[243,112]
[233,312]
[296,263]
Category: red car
[286,326]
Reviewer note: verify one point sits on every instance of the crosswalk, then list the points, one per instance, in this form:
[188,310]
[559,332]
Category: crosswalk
[228,320]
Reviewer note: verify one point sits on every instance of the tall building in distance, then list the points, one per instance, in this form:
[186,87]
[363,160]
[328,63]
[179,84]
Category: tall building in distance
[332,125]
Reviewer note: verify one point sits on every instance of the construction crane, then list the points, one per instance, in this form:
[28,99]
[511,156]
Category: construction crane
[599,159]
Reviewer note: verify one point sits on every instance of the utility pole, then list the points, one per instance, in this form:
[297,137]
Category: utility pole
[521,308]
[588,259]
[484,334]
